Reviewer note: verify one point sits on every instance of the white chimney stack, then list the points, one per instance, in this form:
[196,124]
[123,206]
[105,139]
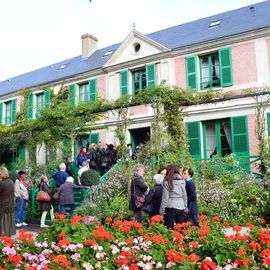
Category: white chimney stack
[89,45]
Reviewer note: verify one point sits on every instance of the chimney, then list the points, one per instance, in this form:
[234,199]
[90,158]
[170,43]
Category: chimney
[89,45]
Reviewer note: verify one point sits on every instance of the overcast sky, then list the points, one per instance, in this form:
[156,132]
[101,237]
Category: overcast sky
[37,33]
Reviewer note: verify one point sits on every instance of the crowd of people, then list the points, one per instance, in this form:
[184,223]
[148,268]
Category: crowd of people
[173,195]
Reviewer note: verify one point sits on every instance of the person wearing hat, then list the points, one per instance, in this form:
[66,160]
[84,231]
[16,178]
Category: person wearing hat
[22,197]
[154,196]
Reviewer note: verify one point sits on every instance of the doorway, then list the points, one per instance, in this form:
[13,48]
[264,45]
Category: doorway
[139,135]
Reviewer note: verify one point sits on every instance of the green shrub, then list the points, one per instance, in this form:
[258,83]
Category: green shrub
[90,178]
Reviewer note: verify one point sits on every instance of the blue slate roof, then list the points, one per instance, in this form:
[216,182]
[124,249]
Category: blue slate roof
[232,22]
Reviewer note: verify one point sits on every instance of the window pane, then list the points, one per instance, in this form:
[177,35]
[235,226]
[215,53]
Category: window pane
[143,80]
[39,103]
[215,70]
[84,92]
[139,80]
[211,147]
[225,138]
[205,72]
[8,112]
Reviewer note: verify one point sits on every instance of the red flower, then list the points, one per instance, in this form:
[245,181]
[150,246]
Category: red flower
[7,241]
[102,234]
[90,242]
[226,224]
[208,264]
[266,262]
[237,228]
[215,219]
[241,251]
[62,259]
[60,216]
[16,259]
[61,235]
[193,257]
[203,217]
[250,225]
[175,256]
[108,220]
[265,252]
[243,261]
[134,266]
[63,242]
[254,245]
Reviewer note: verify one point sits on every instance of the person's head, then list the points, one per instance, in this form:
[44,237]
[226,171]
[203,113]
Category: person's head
[3,173]
[162,171]
[172,169]
[82,150]
[141,145]
[158,179]
[62,166]
[69,159]
[187,173]
[139,170]
[44,178]
[129,145]
[93,145]
[70,179]
[85,163]
[22,174]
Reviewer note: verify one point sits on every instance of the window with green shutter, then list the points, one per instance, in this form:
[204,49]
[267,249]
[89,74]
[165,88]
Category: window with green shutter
[13,110]
[30,106]
[240,142]
[7,120]
[124,90]
[22,150]
[268,122]
[93,90]
[84,94]
[191,71]
[94,138]
[72,95]
[40,103]
[217,138]
[47,98]
[194,139]
[225,60]
[138,81]
[1,113]
[151,74]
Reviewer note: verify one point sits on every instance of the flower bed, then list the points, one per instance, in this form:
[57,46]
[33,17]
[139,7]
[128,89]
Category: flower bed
[122,244]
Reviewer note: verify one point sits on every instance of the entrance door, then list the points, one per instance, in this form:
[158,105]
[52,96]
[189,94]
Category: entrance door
[139,135]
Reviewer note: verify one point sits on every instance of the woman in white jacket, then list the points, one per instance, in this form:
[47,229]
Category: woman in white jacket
[174,197]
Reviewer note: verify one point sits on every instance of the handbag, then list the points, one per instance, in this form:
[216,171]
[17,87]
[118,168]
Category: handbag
[139,200]
[43,196]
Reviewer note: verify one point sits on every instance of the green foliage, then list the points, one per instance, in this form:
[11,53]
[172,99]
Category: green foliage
[90,178]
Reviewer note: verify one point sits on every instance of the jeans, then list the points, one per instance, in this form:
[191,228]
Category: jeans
[20,213]
[63,209]
[173,215]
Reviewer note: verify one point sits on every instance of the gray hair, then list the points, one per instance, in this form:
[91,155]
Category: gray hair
[85,163]
[62,166]
[43,176]
[138,167]
[158,179]
[70,179]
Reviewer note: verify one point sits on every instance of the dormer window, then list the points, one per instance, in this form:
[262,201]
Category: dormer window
[107,53]
[215,23]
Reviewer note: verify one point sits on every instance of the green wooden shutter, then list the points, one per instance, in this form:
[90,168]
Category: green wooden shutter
[30,106]
[194,139]
[191,72]
[1,113]
[225,62]
[124,83]
[93,90]
[94,138]
[13,110]
[22,149]
[151,74]
[268,123]
[47,98]
[72,95]
[240,143]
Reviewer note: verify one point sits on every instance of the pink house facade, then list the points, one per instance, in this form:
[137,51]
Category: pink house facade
[225,52]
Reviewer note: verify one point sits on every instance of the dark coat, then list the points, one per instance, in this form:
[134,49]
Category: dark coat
[67,194]
[45,206]
[7,202]
[153,198]
[192,196]
[60,178]
[137,187]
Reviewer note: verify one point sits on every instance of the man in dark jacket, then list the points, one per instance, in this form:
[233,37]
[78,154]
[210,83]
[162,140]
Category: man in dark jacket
[66,192]
[192,197]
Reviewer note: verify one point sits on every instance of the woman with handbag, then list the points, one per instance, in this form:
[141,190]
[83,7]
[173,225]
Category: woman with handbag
[174,197]
[45,206]
[154,196]
[138,190]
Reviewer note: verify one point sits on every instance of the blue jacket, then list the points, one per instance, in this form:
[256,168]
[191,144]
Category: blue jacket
[60,178]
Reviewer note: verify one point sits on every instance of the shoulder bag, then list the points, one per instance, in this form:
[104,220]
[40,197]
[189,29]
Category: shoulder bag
[43,196]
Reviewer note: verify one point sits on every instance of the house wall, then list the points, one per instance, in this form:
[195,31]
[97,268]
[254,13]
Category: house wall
[101,87]
[180,72]
[268,52]
[253,140]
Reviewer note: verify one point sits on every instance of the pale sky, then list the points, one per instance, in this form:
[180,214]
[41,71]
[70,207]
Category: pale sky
[37,33]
